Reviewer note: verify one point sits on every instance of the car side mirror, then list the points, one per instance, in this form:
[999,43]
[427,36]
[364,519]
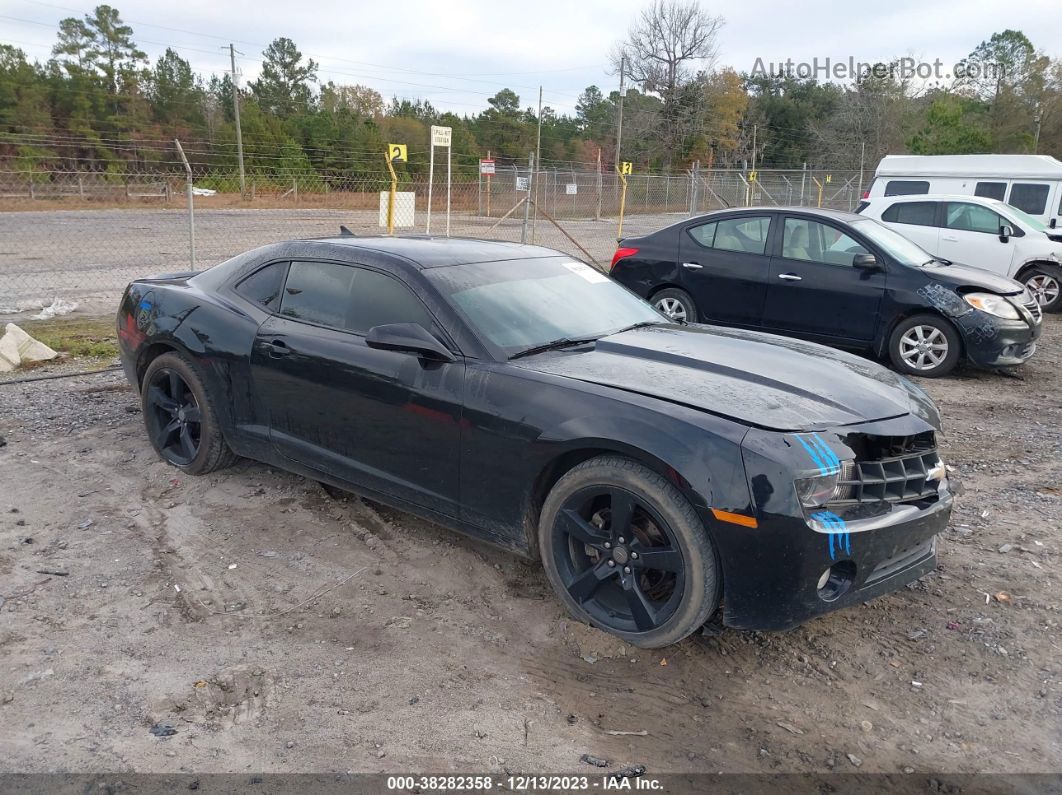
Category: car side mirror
[408,337]
[1005,233]
[867,262]
[1054,222]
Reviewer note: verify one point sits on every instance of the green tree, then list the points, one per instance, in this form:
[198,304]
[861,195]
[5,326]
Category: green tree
[285,85]
[953,125]
[112,49]
[174,90]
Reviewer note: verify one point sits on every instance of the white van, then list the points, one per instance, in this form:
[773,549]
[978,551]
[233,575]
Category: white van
[982,233]
[1032,183]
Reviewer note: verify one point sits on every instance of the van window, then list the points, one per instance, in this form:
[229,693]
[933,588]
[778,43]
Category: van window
[972,218]
[1029,197]
[916,213]
[906,187]
[991,190]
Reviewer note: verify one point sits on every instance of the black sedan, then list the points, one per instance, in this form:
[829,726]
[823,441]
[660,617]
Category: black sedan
[659,470]
[835,278]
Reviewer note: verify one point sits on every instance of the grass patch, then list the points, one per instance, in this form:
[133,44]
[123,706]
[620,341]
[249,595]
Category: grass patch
[93,338]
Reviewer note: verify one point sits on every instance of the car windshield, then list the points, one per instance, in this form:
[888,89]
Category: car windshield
[895,245]
[1024,217]
[522,304]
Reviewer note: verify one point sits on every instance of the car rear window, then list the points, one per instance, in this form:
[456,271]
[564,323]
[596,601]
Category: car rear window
[1029,197]
[746,235]
[264,285]
[906,187]
[991,190]
[916,213]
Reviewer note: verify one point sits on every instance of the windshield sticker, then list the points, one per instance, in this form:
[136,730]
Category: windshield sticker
[592,275]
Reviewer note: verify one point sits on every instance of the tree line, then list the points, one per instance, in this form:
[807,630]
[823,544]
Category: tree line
[99,104]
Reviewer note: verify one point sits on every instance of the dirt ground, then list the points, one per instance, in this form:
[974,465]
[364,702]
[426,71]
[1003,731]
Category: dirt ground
[249,621]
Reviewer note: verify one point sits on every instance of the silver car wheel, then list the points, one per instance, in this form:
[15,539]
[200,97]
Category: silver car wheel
[1044,288]
[923,347]
[672,307]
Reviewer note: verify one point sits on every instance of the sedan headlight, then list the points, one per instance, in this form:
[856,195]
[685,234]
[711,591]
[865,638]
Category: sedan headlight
[993,304]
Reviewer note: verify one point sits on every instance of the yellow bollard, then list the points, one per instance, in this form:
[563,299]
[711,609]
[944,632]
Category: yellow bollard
[391,197]
[622,171]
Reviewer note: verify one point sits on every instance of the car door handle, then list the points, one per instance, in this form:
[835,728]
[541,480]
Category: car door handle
[693,266]
[950,238]
[790,277]
[277,348]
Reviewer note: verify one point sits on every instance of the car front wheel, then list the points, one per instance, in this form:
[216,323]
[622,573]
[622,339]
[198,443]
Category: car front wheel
[1044,281]
[925,345]
[627,553]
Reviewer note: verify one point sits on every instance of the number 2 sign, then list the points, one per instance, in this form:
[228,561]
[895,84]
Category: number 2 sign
[397,152]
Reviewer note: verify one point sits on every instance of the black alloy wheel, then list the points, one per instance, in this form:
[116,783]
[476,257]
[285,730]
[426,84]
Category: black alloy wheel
[173,417]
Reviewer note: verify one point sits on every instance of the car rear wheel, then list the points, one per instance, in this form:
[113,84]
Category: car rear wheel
[627,553]
[676,304]
[925,345]
[180,417]
[1044,281]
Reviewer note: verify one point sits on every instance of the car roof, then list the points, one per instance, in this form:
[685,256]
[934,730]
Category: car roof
[999,166]
[428,251]
[936,197]
[822,212]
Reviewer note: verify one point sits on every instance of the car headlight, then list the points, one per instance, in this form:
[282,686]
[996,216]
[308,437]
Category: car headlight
[814,492]
[992,304]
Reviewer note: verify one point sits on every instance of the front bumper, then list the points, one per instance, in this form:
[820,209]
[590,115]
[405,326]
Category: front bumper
[879,541]
[994,342]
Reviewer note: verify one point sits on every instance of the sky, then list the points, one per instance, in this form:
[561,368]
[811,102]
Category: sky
[457,53]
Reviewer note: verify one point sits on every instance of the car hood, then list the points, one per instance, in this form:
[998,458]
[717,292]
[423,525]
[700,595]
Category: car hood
[759,379]
[958,275]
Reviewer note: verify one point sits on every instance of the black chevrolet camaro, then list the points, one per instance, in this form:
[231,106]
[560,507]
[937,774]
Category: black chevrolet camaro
[660,470]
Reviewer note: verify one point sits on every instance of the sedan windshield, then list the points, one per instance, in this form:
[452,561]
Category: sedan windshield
[523,304]
[895,245]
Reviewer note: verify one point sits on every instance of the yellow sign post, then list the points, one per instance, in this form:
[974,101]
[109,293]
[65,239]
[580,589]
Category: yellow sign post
[819,184]
[394,152]
[624,169]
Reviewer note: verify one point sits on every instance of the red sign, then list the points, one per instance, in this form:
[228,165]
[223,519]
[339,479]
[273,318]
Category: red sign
[486,167]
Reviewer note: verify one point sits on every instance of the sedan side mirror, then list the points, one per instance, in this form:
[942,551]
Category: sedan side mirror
[1005,233]
[867,262]
[408,337]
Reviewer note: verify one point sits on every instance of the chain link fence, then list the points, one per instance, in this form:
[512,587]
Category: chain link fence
[80,236]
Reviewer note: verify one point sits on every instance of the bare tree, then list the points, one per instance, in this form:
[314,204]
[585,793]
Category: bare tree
[667,45]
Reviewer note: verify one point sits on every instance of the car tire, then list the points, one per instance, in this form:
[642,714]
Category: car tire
[930,360]
[608,577]
[676,304]
[180,417]
[1044,281]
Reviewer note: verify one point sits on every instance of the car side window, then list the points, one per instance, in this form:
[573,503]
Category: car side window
[1029,197]
[811,241]
[704,234]
[378,299]
[746,235]
[916,213]
[991,190]
[906,187]
[264,285]
[348,297]
[972,218]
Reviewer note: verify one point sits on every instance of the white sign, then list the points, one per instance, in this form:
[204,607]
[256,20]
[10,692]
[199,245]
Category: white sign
[571,188]
[440,136]
[405,204]
[592,275]
[523,183]
[486,168]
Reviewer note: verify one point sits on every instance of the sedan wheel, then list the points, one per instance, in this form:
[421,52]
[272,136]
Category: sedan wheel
[923,347]
[672,307]
[676,304]
[626,552]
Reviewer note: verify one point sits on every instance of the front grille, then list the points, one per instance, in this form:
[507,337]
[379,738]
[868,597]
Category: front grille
[1034,310]
[890,469]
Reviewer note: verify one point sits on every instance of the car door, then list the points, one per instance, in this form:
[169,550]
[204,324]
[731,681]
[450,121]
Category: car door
[970,236]
[917,221]
[724,267]
[385,420]
[815,291]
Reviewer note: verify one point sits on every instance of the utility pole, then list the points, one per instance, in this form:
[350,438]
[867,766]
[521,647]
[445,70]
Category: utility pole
[1036,137]
[754,126]
[862,154]
[527,200]
[538,160]
[619,115]
[236,113]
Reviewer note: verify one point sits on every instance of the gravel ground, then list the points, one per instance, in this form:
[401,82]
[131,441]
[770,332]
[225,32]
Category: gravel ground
[276,628]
